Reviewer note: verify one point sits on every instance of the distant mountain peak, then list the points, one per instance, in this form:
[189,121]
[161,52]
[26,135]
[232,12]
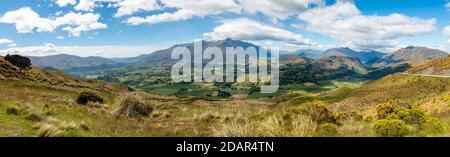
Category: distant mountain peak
[361,55]
[412,55]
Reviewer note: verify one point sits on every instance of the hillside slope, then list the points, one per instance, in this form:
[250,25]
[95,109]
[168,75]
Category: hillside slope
[65,62]
[347,52]
[436,67]
[431,92]
[325,68]
[411,55]
[53,78]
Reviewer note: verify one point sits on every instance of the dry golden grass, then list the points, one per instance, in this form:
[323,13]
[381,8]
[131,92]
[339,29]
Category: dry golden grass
[277,125]
[49,130]
[438,65]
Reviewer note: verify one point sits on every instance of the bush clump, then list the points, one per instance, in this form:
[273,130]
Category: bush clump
[85,97]
[391,128]
[33,116]
[132,108]
[391,108]
[432,126]
[18,61]
[353,115]
[319,113]
[412,115]
[12,110]
[327,130]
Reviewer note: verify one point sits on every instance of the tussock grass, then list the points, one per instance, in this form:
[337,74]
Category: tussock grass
[132,108]
[49,130]
[277,125]
[52,127]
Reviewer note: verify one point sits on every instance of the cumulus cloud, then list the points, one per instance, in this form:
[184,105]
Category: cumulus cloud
[26,21]
[63,3]
[90,5]
[447,33]
[80,23]
[246,29]
[343,21]
[6,42]
[46,49]
[447,5]
[83,51]
[128,7]
[280,9]
[187,9]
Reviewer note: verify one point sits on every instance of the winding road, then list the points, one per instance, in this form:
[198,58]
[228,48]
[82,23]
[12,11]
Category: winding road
[438,76]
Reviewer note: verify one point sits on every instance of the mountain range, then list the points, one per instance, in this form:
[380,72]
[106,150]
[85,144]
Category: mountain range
[297,67]
[65,62]
[411,55]
[361,55]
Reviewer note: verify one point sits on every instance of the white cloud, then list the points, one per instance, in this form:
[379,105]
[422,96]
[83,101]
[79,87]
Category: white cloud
[89,5]
[26,20]
[343,21]
[80,22]
[280,9]
[30,51]
[83,51]
[187,9]
[6,42]
[63,3]
[128,7]
[60,37]
[49,45]
[447,33]
[447,5]
[246,29]
[86,5]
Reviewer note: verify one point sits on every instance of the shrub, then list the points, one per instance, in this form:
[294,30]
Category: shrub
[87,96]
[18,61]
[132,108]
[224,94]
[12,110]
[350,116]
[415,116]
[391,128]
[432,126]
[33,116]
[327,130]
[319,113]
[384,110]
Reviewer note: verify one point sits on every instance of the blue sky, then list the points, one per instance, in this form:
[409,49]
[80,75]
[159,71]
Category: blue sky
[118,28]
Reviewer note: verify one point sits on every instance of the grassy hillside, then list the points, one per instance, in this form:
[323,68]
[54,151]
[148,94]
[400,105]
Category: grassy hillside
[36,102]
[429,91]
[436,67]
